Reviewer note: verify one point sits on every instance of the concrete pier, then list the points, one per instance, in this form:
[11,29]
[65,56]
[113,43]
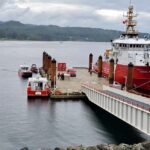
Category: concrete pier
[70,88]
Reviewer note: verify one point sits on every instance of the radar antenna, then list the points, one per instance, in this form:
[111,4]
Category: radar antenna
[130,23]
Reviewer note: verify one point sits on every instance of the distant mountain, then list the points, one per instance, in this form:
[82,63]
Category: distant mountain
[14,30]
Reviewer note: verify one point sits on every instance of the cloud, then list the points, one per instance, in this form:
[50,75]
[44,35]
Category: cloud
[59,14]
[85,13]
[10,11]
[52,7]
[145,15]
[109,14]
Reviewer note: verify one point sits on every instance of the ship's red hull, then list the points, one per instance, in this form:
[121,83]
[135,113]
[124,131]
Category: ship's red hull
[105,69]
[37,93]
[141,76]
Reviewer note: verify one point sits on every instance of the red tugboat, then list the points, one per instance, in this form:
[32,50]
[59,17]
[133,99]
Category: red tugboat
[38,87]
[24,71]
[129,48]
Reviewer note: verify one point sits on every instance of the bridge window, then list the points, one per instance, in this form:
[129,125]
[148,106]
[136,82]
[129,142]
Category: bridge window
[131,45]
[139,45]
[135,46]
[124,45]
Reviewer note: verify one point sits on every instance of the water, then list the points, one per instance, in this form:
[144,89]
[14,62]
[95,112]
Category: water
[45,123]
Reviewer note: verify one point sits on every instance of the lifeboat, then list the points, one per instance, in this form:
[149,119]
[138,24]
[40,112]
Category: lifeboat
[38,87]
[24,71]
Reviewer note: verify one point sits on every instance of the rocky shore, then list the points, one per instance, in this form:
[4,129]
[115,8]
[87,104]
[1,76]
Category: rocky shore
[139,146]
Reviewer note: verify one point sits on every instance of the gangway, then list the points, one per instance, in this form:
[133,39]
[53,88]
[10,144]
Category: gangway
[131,108]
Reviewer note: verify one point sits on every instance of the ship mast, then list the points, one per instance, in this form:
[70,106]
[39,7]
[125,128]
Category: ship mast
[130,23]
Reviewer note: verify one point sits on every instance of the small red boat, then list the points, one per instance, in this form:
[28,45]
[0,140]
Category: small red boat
[34,68]
[24,71]
[38,87]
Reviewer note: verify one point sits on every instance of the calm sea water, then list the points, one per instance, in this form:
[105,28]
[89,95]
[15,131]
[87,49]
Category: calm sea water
[37,123]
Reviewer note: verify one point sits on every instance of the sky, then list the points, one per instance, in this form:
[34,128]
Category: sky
[106,14]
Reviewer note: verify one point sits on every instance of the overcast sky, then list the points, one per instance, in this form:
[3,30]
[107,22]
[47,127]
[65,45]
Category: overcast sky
[107,14]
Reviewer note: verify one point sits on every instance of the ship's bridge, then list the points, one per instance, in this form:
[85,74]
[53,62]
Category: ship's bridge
[131,42]
[135,50]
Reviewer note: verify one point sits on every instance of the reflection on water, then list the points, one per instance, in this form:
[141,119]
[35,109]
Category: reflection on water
[45,123]
[38,101]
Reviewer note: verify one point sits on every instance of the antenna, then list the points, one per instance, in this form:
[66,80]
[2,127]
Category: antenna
[130,2]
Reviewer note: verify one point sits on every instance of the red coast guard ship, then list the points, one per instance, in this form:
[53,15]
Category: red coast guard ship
[130,48]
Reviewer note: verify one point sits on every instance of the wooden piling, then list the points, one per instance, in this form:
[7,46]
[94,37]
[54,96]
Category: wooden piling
[46,63]
[44,53]
[100,66]
[90,61]
[49,66]
[129,82]
[111,71]
[53,73]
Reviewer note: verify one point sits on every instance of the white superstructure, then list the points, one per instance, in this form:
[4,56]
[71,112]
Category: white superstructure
[38,83]
[129,47]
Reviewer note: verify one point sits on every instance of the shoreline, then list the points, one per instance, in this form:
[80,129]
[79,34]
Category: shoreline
[139,146]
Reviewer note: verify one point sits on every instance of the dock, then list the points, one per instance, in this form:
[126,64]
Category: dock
[68,96]
[70,88]
[73,84]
